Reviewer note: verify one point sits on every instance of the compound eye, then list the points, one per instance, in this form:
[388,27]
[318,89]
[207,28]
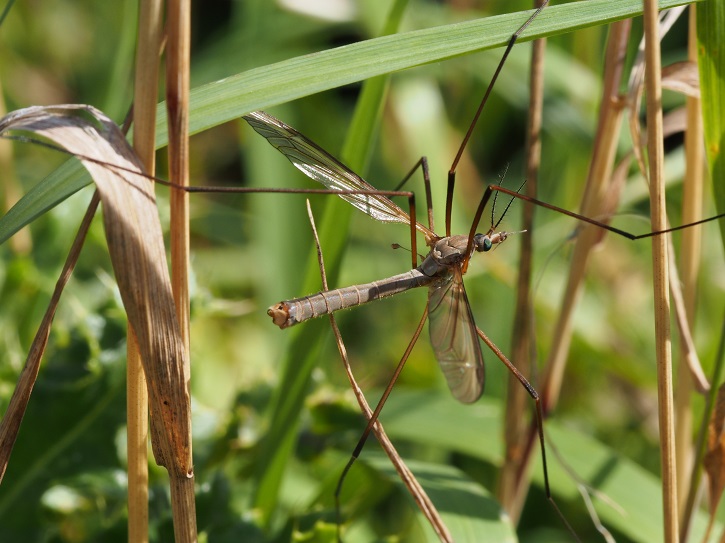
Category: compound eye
[483,243]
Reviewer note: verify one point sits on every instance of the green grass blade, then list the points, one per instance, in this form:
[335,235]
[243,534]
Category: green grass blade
[468,510]
[711,47]
[229,98]
[309,74]
[68,179]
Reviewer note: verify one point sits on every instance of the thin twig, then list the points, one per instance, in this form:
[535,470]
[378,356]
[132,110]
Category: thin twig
[513,482]
[178,53]
[137,402]
[13,415]
[691,248]
[416,490]
[660,271]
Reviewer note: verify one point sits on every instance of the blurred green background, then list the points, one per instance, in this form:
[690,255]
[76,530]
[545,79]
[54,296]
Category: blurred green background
[66,479]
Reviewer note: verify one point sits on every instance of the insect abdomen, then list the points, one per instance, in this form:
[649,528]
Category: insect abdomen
[291,312]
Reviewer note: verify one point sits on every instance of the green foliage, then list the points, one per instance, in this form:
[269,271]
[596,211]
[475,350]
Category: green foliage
[274,420]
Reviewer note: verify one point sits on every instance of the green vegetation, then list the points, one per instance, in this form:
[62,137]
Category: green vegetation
[266,479]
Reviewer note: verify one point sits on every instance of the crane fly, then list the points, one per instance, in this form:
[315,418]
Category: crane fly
[453,332]
[451,325]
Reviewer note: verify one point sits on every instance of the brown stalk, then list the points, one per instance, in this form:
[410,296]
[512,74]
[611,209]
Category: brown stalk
[512,488]
[21,242]
[177,100]
[595,203]
[655,152]
[144,139]
[690,253]
[681,77]
[600,171]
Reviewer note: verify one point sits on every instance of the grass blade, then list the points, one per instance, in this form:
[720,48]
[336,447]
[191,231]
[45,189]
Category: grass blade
[221,101]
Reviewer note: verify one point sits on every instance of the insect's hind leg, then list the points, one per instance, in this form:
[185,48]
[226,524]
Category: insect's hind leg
[539,423]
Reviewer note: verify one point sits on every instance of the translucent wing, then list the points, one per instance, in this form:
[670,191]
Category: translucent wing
[318,164]
[454,340]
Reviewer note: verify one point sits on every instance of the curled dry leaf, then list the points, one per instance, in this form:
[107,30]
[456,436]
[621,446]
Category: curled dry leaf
[674,122]
[714,460]
[682,77]
[135,243]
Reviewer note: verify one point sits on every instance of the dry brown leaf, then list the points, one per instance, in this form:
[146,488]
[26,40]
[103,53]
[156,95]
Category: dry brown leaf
[714,460]
[135,242]
[682,77]
[674,122]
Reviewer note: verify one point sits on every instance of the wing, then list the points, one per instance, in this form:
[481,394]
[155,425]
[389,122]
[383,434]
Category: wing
[454,340]
[318,164]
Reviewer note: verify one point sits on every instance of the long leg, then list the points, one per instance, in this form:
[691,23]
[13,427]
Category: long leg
[423,165]
[539,421]
[510,490]
[416,490]
[469,132]
[491,188]
[632,237]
